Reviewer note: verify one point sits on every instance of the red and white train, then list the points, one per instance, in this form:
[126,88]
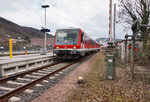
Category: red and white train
[72,43]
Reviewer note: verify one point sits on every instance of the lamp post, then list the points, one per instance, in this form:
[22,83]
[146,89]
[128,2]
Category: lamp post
[45,6]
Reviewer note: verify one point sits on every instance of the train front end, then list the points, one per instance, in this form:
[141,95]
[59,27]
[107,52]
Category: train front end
[67,43]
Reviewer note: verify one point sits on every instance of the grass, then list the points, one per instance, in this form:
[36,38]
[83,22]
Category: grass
[98,89]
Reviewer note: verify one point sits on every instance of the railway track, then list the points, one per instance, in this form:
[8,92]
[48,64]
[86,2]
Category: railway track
[22,82]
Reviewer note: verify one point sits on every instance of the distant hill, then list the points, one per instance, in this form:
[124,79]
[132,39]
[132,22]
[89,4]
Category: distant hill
[8,28]
[106,39]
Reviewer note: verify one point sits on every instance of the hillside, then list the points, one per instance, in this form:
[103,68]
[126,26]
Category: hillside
[8,28]
[106,39]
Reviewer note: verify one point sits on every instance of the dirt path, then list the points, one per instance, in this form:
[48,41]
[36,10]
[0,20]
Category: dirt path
[62,90]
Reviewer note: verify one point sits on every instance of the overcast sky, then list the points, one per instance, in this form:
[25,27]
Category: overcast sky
[90,15]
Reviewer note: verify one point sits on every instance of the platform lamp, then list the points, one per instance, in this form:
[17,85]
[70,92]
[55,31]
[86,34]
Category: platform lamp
[44,29]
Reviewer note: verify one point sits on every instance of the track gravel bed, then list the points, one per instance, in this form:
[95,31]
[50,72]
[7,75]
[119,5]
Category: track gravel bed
[50,82]
[60,91]
[10,85]
[26,97]
[22,81]
[2,91]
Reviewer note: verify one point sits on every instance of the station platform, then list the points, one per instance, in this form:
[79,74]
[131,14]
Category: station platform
[6,59]
[21,63]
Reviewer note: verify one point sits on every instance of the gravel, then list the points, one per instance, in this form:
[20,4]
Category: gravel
[25,97]
[9,85]
[31,78]
[22,81]
[62,90]
[2,91]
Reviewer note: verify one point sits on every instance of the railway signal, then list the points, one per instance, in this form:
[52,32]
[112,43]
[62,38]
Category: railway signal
[136,26]
[45,30]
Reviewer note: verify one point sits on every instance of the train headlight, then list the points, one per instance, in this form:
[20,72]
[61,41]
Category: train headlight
[74,47]
[57,47]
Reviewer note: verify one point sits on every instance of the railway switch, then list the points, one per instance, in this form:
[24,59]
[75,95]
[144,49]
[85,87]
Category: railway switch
[110,70]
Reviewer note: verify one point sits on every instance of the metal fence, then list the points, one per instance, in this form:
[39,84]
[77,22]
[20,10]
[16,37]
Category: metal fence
[4,50]
[137,60]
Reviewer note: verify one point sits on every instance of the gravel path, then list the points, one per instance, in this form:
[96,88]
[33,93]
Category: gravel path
[63,89]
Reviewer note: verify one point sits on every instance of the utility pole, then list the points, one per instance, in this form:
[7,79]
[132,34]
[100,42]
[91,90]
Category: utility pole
[135,28]
[132,56]
[126,56]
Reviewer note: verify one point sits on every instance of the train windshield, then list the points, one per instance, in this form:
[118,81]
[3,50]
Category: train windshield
[67,37]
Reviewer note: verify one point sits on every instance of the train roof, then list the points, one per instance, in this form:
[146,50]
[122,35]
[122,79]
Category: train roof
[68,29]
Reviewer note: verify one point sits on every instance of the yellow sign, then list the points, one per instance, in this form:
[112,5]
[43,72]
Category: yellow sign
[80,78]
[10,48]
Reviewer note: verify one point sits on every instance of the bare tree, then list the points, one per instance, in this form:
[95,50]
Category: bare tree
[130,10]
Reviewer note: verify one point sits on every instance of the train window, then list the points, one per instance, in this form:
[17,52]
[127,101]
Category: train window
[61,36]
[69,37]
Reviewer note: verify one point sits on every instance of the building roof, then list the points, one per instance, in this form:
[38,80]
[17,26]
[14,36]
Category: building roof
[41,41]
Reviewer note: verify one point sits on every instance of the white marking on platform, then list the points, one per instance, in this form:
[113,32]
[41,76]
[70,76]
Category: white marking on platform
[45,81]
[28,91]
[32,76]
[14,99]
[6,88]
[52,77]
[23,79]
[15,83]
[38,85]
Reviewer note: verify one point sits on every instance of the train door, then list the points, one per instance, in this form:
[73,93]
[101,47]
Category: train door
[82,40]
[85,42]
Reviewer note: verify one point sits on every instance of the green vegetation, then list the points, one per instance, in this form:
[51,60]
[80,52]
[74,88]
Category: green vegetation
[131,10]
[98,89]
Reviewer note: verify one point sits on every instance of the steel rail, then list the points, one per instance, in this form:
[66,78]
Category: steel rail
[13,77]
[20,89]
[6,96]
